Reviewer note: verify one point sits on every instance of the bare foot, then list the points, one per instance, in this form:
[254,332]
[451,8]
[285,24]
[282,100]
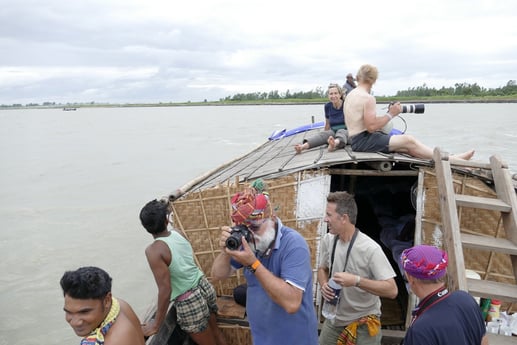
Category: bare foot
[332,143]
[465,155]
[298,148]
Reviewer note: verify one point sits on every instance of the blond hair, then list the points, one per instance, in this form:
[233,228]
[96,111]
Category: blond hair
[368,73]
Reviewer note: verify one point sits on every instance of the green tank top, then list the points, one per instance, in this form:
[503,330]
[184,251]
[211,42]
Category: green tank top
[184,272]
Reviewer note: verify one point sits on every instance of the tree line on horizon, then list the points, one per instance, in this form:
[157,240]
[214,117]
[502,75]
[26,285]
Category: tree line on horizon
[459,89]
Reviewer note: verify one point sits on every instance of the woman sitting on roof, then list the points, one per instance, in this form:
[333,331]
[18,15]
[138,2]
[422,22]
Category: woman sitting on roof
[335,133]
[364,126]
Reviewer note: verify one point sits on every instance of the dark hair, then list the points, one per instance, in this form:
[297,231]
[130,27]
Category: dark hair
[86,283]
[153,216]
[345,204]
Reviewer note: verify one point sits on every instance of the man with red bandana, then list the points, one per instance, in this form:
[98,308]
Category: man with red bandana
[277,267]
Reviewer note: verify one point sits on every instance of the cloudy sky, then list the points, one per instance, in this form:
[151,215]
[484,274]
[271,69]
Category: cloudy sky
[131,51]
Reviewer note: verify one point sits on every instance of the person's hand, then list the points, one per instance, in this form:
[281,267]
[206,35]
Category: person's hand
[345,279]
[149,328]
[225,233]
[244,255]
[394,108]
[327,292]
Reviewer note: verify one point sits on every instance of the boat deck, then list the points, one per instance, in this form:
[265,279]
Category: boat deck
[276,158]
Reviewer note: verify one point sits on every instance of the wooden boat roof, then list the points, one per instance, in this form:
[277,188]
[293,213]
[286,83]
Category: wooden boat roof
[276,158]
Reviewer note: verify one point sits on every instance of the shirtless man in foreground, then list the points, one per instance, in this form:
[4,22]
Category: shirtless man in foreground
[94,314]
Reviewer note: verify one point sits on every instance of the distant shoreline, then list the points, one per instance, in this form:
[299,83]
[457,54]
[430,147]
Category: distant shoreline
[380,100]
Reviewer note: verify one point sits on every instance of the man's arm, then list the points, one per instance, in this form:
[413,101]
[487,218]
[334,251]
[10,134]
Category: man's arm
[326,291]
[383,288]
[159,259]
[323,274]
[372,122]
[287,296]
[221,267]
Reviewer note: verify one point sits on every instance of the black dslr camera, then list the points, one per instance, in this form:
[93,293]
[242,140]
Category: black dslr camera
[235,240]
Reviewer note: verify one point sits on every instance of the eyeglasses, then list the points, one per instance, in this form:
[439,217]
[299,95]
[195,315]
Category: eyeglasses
[333,85]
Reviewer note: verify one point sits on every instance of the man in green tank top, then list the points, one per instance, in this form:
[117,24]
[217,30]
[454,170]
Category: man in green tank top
[179,279]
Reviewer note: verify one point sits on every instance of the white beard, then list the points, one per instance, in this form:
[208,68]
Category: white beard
[263,241]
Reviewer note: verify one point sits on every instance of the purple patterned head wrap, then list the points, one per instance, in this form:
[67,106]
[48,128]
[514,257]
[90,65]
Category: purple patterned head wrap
[424,262]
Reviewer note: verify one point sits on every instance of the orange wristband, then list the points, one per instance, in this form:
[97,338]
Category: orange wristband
[255,265]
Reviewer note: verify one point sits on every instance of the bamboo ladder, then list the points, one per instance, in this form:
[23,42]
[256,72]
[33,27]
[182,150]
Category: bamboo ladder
[506,203]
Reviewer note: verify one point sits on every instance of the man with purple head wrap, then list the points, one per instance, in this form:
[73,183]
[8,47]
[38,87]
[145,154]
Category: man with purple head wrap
[441,317]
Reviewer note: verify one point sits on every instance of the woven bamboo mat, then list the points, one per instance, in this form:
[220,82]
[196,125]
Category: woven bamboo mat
[489,265]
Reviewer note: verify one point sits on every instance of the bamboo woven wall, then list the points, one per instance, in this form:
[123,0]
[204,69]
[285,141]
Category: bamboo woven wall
[200,214]
[489,265]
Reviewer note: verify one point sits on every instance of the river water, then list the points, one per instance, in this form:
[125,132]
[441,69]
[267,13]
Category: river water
[72,185]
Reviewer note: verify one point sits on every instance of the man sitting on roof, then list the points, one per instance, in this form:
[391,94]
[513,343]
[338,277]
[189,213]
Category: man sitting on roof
[364,126]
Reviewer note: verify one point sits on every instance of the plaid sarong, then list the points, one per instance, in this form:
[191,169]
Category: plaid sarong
[194,311]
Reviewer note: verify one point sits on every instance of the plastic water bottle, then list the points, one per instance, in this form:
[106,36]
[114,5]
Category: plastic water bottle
[330,307]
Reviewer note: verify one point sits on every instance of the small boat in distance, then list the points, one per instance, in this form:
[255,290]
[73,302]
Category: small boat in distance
[69,109]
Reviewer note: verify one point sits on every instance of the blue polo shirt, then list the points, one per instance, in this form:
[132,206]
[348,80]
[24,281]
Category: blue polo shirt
[270,324]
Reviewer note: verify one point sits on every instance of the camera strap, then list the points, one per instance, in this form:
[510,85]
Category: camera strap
[428,302]
[347,252]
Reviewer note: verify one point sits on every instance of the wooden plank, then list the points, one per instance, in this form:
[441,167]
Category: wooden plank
[451,226]
[229,309]
[495,339]
[166,329]
[482,203]
[500,245]
[391,336]
[506,192]
[491,289]
[471,164]
[359,172]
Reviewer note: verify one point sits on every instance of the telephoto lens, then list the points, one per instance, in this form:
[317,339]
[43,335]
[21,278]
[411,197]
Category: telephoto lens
[413,108]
